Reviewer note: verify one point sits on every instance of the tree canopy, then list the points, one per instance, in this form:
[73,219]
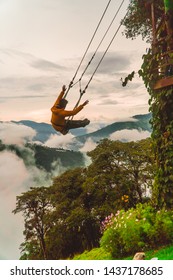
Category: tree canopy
[138,20]
[65,218]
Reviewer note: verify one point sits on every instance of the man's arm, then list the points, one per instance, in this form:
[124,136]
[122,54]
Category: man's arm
[74,111]
[60,96]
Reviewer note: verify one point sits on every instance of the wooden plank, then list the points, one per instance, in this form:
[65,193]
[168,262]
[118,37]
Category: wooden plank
[164,82]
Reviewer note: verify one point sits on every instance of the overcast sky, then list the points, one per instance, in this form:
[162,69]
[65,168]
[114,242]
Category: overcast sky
[42,43]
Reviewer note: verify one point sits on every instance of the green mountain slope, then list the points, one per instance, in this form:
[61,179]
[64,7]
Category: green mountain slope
[44,130]
[140,122]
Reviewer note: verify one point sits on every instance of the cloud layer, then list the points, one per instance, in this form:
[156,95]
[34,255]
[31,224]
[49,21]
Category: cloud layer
[17,176]
[127,135]
[11,133]
[14,179]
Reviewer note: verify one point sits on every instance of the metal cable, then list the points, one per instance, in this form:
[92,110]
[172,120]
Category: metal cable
[71,83]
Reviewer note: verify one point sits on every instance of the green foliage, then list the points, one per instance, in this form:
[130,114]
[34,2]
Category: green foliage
[2,146]
[137,229]
[138,19]
[75,224]
[162,231]
[94,254]
[161,106]
[36,207]
[165,253]
[128,78]
[31,250]
[45,156]
[124,168]
[64,219]
[162,253]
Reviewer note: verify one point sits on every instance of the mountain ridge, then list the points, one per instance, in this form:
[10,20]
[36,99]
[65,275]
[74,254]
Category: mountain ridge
[45,130]
[139,122]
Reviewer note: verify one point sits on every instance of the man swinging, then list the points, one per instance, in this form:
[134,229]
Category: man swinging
[59,114]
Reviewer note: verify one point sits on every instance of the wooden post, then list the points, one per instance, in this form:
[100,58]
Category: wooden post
[153,23]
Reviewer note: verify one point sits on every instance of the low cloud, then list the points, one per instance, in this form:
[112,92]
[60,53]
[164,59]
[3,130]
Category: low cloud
[127,135]
[32,60]
[17,176]
[57,168]
[18,134]
[24,84]
[112,63]
[94,126]
[46,65]
[108,102]
[14,177]
[60,141]
[13,173]
[21,97]
[88,146]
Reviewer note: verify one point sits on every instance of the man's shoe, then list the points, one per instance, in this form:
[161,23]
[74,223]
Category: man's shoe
[85,122]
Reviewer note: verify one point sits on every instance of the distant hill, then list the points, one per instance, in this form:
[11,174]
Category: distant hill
[44,130]
[44,157]
[139,122]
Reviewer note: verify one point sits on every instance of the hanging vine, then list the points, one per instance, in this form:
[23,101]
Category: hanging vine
[153,20]
[127,79]
[161,107]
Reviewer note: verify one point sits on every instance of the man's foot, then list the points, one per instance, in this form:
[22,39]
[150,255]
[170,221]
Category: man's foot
[86,122]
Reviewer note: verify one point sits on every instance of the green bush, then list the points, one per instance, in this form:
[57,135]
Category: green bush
[162,232]
[142,228]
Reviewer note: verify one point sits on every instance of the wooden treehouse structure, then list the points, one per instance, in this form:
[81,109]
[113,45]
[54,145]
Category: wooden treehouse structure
[162,45]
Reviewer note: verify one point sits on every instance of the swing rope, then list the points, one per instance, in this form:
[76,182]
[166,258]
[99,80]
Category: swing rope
[83,91]
[102,57]
[71,83]
[80,79]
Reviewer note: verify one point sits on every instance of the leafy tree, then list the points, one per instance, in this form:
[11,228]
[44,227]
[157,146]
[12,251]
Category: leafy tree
[138,19]
[119,170]
[36,208]
[116,179]
[65,219]
[30,250]
[77,228]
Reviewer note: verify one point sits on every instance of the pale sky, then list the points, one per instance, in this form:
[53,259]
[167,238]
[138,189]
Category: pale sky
[42,43]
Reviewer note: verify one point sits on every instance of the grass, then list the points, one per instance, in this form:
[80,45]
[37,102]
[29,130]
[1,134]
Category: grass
[94,254]
[164,253]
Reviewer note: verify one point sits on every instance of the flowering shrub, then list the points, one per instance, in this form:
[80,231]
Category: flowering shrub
[127,232]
